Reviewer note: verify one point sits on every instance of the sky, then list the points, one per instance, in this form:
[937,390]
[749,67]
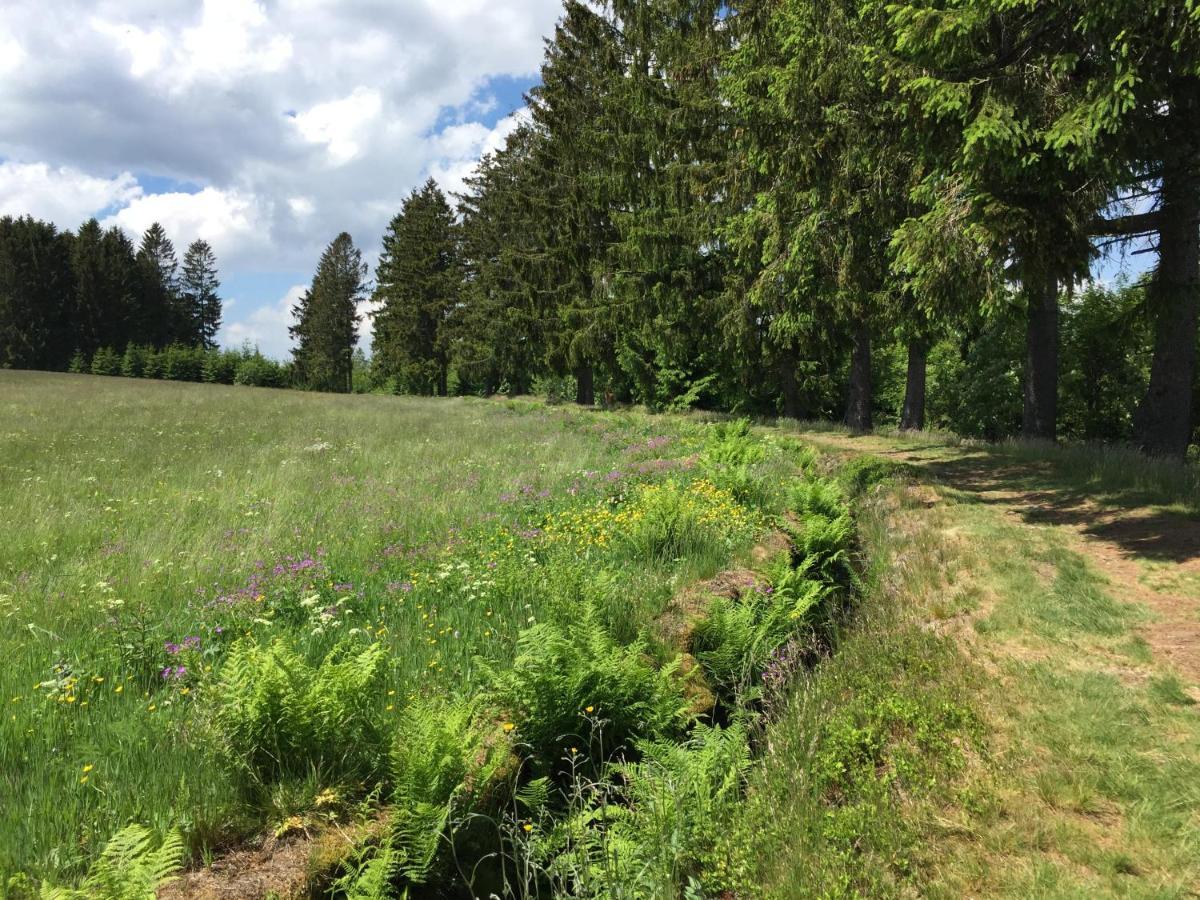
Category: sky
[265,127]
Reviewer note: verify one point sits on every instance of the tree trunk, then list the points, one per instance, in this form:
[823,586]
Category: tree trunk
[1163,421]
[1040,418]
[792,408]
[912,417]
[443,385]
[858,401]
[585,394]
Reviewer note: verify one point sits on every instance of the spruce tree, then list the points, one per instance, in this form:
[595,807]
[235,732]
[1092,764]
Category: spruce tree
[326,328]
[819,188]
[105,275]
[159,318]
[573,204]
[35,290]
[666,123]
[199,301]
[418,285]
[499,334]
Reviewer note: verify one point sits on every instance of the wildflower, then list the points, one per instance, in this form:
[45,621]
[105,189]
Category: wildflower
[118,689]
[527,827]
[589,709]
[151,708]
[88,768]
[508,727]
[83,780]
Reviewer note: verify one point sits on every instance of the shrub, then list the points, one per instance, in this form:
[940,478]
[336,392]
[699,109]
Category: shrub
[555,388]
[220,366]
[731,458]
[258,371]
[79,363]
[739,638]
[577,687]
[825,535]
[152,366]
[182,363]
[446,765]
[680,795]
[134,361]
[277,716]
[106,362]
[862,473]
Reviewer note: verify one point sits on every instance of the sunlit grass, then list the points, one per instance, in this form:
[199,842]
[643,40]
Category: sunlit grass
[148,525]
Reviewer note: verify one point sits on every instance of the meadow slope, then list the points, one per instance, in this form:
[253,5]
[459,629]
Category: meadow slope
[910,665]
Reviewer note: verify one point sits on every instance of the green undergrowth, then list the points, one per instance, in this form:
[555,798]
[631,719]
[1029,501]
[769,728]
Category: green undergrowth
[862,749]
[292,690]
[582,770]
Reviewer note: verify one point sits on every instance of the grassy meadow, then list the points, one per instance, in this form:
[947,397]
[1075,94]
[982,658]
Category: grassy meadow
[150,527]
[503,648]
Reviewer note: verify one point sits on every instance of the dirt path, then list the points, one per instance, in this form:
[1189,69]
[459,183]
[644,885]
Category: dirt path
[1148,555]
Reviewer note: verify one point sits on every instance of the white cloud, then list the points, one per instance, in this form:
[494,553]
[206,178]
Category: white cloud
[457,149]
[12,57]
[234,224]
[340,124]
[63,195]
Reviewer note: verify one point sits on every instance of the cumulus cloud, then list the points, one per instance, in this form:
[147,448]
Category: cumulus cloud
[63,195]
[233,223]
[297,119]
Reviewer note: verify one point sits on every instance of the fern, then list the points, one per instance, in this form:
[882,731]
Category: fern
[445,763]
[277,716]
[559,674]
[130,867]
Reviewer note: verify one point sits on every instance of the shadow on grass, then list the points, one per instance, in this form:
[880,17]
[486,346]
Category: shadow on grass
[1149,508]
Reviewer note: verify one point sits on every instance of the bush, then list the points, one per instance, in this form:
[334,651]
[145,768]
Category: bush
[577,688]
[134,361]
[258,371]
[106,362]
[182,363]
[130,867]
[79,363]
[862,473]
[220,366]
[731,457]
[447,764]
[555,388]
[278,717]
[152,365]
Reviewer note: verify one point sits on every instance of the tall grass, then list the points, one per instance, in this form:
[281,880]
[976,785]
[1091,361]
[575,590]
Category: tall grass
[146,528]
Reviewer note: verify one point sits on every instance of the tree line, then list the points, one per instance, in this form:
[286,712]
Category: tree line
[67,296]
[857,208]
[788,206]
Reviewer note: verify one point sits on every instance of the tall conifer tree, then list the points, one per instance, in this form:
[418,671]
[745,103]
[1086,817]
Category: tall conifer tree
[326,327]
[418,287]
[199,302]
[158,317]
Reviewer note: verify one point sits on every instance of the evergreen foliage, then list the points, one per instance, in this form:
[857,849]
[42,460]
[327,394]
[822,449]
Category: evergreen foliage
[866,210]
[417,288]
[199,301]
[326,328]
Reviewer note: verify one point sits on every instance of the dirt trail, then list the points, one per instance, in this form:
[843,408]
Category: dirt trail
[1128,545]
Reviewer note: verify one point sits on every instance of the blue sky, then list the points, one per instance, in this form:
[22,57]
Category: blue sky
[263,126]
